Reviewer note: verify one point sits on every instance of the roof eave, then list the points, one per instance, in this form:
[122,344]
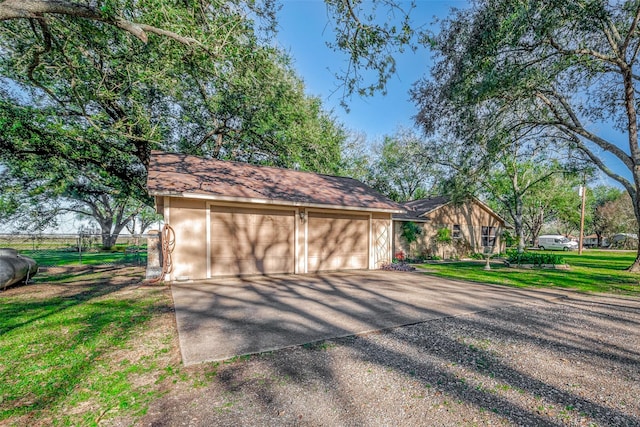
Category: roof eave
[418,219]
[218,198]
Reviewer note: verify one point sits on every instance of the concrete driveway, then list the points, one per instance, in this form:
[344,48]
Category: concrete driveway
[219,319]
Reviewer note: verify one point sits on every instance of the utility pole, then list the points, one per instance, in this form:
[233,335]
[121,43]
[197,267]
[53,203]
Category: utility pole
[583,193]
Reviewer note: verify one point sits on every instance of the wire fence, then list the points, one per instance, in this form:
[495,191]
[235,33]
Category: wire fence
[51,250]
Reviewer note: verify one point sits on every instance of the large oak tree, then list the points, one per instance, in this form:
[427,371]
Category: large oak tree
[570,65]
[89,89]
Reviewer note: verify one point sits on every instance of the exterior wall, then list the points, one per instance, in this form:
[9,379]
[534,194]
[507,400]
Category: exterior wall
[381,236]
[471,217]
[300,240]
[191,221]
[188,218]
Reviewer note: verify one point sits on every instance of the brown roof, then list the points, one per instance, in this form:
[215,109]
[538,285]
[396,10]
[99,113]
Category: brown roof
[416,209]
[184,175]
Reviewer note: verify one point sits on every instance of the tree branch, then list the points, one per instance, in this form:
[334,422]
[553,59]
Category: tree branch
[599,163]
[631,33]
[35,61]
[577,128]
[35,9]
[581,52]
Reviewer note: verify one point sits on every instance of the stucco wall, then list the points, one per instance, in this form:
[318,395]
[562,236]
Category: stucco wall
[188,218]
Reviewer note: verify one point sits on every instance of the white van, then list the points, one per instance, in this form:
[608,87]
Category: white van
[556,242]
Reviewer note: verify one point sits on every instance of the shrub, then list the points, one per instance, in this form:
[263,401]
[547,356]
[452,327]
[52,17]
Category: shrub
[397,267]
[533,258]
[443,237]
[509,239]
[411,231]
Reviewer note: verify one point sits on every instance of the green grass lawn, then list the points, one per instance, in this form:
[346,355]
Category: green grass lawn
[65,258]
[593,271]
[75,350]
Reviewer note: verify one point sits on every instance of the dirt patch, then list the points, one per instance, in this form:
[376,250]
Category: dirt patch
[65,281]
[571,362]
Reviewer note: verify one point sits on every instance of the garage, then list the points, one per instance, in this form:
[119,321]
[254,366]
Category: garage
[251,241]
[235,219]
[337,242]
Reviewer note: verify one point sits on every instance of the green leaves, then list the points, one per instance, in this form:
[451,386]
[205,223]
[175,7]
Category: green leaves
[90,100]
[536,258]
[411,231]
[400,167]
[443,235]
[548,76]
[370,34]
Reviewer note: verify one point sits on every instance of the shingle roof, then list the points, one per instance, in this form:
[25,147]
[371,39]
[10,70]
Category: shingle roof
[417,208]
[184,175]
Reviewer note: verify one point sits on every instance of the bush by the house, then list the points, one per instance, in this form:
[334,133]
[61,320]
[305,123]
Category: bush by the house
[397,266]
[535,258]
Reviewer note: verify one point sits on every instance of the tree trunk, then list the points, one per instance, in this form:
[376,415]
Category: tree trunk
[519,225]
[635,267]
[108,240]
[635,199]
[537,227]
[632,126]
[111,228]
[109,233]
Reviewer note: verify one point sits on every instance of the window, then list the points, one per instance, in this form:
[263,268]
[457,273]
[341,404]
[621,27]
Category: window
[457,232]
[488,236]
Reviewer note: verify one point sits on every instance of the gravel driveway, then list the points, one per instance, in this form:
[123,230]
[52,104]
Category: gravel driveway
[574,361]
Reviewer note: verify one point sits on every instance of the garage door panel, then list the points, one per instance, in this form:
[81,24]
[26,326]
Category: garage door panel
[335,262]
[251,241]
[337,242]
[244,266]
[281,264]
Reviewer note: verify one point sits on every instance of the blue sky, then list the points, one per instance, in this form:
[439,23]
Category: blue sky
[304,29]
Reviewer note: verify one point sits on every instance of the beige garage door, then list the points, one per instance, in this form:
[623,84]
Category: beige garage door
[337,242]
[251,241]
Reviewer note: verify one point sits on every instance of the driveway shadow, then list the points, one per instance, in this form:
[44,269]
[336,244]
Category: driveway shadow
[220,319]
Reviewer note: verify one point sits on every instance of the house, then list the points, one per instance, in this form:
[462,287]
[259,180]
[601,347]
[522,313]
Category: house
[473,226]
[233,218]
